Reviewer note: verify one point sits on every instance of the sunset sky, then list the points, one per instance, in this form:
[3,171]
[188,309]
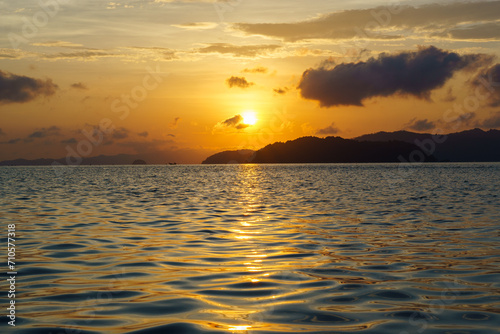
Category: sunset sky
[191,78]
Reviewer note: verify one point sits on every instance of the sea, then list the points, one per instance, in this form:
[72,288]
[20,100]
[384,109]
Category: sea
[320,248]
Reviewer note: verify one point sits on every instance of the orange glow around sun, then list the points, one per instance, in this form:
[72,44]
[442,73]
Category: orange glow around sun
[249,117]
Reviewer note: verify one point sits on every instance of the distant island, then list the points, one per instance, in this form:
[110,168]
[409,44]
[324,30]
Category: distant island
[466,146]
[399,146]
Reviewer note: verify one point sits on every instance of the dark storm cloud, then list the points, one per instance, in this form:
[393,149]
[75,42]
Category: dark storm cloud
[1,132]
[329,130]
[19,89]
[420,125]
[414,73]
[238,82]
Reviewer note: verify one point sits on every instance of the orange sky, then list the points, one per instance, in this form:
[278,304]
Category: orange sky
[172,76]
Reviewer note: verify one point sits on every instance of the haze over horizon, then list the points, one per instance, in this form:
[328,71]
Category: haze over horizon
[191,78]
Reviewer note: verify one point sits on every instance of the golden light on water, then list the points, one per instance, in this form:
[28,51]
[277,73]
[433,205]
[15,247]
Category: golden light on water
[239,328]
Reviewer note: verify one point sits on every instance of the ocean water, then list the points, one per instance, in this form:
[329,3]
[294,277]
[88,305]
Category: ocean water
[355,248]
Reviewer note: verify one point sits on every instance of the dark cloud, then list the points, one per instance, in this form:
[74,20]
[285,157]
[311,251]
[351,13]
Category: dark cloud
[493,122]
[281,91]
[143,134]
[45,132]
[79,85]
[260,69]
[414,73]
[420,125]
[329,130]
[69,141]
[238,82]
[239,50]
[489,81]
[460,20]
[235,122]
[120,133]
[19,89]
[2,133]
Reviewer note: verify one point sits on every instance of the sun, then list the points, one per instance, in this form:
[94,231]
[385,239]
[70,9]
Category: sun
[249,117]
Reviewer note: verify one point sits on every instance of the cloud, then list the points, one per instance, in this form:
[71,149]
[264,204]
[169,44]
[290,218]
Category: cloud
[175,123]
[460,20]
[238,82]
[281,91]
[239,50]
[84,54]
[235,122]
[329,130]
[59,44]
[158,52]
[259,69]
[120,133]
[45,132]
[143,134]
[19,89]
[420,125]
[414,73]
[13,141]
[196,25]
[493,122]
[79,85]
[69,141]
[488,80]
[2,133]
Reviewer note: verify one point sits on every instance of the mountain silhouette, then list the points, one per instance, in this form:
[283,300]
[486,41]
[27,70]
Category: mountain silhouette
[326,150]
[466,146]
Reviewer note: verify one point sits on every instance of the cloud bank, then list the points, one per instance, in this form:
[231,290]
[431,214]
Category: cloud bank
[460,20]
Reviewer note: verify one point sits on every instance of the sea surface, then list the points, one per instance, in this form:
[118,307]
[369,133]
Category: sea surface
[349,248]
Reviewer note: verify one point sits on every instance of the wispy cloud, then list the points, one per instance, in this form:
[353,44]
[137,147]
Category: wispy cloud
[239,50]
[259,69]
[196,25]
[420,125]
[456,20]
[329,130]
